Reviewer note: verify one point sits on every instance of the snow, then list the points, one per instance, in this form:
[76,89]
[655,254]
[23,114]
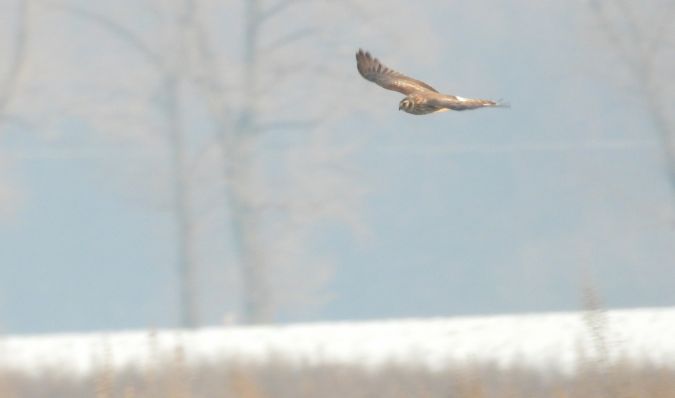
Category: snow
[540,341]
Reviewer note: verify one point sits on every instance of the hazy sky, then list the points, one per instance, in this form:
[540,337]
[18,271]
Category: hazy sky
[477,212]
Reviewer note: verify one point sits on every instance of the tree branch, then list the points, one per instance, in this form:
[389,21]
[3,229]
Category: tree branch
[212,81]
[286,125]
[277,8]
[639,52]
[657,39]
[18,58]
[113,27]
[612,36]
[289,38]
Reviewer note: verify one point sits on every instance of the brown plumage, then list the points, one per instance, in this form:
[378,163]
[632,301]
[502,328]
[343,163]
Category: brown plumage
[421,98]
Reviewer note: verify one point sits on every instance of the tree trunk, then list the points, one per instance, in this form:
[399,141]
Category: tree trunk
[246,220]
[666,130]
[181,206]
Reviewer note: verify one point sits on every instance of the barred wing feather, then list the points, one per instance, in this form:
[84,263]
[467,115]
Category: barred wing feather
[373,70]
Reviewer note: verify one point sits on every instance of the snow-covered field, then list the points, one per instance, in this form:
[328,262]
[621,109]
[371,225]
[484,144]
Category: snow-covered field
[540,341]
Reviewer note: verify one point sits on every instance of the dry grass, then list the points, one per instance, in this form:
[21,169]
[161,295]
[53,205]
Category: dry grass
[171,376]
[283,380]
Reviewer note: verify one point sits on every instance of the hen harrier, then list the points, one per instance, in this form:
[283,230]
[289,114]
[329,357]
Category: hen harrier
[420,98]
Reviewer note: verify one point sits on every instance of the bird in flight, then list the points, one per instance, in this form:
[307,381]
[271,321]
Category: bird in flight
[420,98]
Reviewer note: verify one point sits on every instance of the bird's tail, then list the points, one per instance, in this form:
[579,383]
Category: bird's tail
[500,103]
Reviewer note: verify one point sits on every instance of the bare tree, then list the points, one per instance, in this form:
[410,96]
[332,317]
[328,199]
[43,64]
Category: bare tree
[641,37]
[641,40]
[170,68]
[280,76]
[284,87]
[269,113]
[16,58]
[12,67]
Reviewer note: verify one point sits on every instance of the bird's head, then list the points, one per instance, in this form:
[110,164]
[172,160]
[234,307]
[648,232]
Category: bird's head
[404,104]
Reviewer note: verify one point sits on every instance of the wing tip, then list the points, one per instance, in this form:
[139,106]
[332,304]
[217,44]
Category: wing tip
[364,61]
[363,55]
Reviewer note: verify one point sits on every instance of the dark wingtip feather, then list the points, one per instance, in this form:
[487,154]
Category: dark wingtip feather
[364,61]
[363,56]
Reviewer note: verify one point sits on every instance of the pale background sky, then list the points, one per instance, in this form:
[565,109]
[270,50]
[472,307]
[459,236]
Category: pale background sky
[489,211]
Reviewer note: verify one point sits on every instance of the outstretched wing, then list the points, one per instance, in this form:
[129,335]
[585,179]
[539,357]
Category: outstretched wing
[371,69]
[458,103]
